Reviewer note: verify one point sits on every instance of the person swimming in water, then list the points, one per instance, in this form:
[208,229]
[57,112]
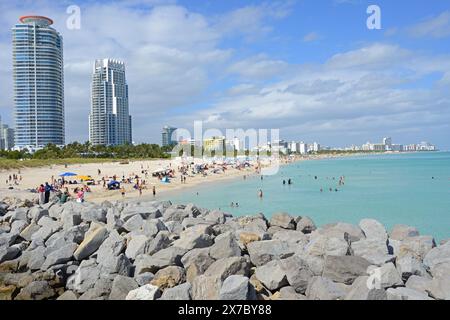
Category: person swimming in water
[260,193]
[284,182]
[289,181]
[232,204]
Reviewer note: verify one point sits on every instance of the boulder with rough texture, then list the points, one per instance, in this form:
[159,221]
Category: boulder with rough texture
[225,246]
[401,232]
[29,231]
[320,288]
[37,290]
[223,268]
[169,277]
[85,277]
[322,245]
[373,229]
[272,275]
[198,236]
[68,295]
[147,292]
[346,231]
[164,258]
[196,262]
[237,287]
[60,256]
[282,220]
[437,256]
[144,278]
[306,225]
[373,250]
[289,293]
[386,276]
[137,246]
[417,246]
[92,241]
[408,266]
[180,292]
[419,283]
[121,286]
[134,223]
[361,289]
[297,271]
[206,288]
[344,269]
[262,252]
[406,294]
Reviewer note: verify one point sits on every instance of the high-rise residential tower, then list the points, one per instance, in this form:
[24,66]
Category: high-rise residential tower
[109,120]
[38,83]
[167,136]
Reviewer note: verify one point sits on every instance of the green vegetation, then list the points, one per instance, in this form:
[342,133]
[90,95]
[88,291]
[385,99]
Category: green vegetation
[77,153]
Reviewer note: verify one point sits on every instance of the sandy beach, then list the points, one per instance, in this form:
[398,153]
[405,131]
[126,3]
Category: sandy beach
[31,178]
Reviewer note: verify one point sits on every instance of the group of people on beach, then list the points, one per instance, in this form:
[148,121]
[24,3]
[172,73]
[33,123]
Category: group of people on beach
[14,179]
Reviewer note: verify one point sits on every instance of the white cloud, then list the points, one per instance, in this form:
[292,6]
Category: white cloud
[435,27]
[311,37]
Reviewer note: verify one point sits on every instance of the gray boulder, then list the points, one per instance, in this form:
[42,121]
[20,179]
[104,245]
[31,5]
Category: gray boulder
[409,265]
[282,220]
[272,275]
[36,258]
[198,236]
[180,292]
[134,223]
[401,232]
[85,277]
[223,268]
[320,288]
[147,292]
[161,241]
[206,288]
[136,246]
[60,256]
[92,241]
[262,252]
[68,295]
[29,230]
[237,287]
[373,250]
[196,262]
[344,269]
[225,246]
[306,225]
[417,246]
[346,231]
[360,291]
[289,293]
[36,290]
[121,286]
[419,283]
[9,253]
[406,294]
[373,229]
[167,257]
[144,278]
[322,245]
[386,276]
[298,273]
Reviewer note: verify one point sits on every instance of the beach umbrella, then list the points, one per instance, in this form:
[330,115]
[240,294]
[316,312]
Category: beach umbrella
[67,174]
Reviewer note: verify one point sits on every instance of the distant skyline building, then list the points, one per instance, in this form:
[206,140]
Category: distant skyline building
[166,136]
[109,120]
[38,72]
[6,136]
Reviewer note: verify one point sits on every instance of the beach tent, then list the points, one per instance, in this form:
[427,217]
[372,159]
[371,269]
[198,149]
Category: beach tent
[165,180]
[113,185]
[67,174]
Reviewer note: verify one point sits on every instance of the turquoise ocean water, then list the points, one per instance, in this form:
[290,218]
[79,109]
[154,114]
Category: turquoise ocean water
[394,189]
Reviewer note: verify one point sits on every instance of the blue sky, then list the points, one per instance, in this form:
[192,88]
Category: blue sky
[310,68]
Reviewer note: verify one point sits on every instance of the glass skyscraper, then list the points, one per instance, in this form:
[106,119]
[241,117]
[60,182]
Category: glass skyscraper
[38,83]
[109,120]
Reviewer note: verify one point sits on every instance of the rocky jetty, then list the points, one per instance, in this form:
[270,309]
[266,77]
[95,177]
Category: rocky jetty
[157,250]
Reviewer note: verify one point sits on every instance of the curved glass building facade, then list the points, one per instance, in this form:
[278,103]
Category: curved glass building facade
[38,83]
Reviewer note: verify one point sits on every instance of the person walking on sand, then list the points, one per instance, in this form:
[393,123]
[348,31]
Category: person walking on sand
[47,190]
[41,191]
[154,191]
[122,191]
[80,195]
[140,189]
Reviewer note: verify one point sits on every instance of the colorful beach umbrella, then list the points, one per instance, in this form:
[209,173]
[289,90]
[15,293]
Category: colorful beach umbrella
[67,174]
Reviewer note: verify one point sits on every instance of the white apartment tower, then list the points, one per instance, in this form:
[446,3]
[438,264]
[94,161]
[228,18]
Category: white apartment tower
[109,120]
